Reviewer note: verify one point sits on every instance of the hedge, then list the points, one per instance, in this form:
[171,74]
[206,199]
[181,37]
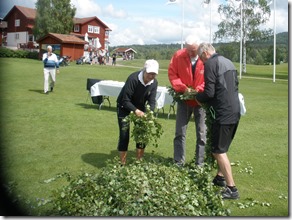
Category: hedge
[5,52]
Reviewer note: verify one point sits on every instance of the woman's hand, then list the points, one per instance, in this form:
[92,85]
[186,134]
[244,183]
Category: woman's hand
[139,113]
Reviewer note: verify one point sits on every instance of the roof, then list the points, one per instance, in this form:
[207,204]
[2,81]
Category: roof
[31,14]
[124,50]
[64,38]
[27,12]
[82,35]
[88,19]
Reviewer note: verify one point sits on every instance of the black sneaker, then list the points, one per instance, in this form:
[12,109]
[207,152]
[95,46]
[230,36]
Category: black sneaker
[52,89]
[228,194]
[219,181]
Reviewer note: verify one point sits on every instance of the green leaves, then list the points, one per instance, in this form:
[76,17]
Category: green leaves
[209,159]
[146,129]
[141,188]
[53,16]
[249,202]
[178,96]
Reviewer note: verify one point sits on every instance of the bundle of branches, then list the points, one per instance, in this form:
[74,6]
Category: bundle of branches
[146,129]
[177,96]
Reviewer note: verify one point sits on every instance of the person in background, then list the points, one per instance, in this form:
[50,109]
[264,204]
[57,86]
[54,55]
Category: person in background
[51,63]
[186,74]
[107,56]
[140,87]
[91,56]
[221,96]
[114,57]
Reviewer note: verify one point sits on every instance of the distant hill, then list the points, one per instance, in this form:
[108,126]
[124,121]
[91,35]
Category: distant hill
[281,38]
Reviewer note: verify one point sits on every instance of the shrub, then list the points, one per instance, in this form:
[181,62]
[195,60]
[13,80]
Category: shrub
[20,53]
[5,52]
[153,188]
[33,55]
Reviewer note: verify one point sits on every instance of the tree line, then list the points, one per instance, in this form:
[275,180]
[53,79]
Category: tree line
[258,52]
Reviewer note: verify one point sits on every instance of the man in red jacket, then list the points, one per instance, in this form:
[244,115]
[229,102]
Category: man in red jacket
[186,73]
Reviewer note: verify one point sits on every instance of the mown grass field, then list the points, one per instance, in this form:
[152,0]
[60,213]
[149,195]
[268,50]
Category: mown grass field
[43,135]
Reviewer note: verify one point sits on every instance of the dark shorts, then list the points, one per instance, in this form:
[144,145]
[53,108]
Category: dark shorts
[222,136]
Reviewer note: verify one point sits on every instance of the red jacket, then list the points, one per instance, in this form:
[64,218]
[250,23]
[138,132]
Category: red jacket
[180,74]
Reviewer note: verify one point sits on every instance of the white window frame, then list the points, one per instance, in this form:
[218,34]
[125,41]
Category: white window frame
[32,38]
[90,29]
[76,28]
[96,29]
[17,22]
[16,36]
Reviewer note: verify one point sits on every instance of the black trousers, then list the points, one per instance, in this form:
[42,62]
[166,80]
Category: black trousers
[124,131]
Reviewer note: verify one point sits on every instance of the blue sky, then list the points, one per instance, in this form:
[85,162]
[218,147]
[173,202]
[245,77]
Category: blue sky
[152,21]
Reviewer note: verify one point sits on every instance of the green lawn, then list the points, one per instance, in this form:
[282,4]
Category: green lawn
[43,135]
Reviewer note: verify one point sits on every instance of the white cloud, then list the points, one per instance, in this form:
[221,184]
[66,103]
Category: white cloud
[281,21]
[125,37]
[110,11]
[86,8]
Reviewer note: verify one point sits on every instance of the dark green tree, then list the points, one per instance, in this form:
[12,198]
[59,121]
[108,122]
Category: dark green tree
[270,55]
[229,51]
[55,16]
[254,14]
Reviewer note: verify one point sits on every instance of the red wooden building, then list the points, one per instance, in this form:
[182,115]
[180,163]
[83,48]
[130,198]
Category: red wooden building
[93,31]
[20,22]
[63,45]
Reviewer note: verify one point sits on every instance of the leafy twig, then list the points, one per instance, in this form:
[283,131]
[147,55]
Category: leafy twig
[146,129]
[180,95]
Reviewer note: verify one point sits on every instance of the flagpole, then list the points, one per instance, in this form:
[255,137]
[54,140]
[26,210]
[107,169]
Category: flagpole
[210,21]
[241,33]
[182,18]
[274,69]
[182,24]
[209,2]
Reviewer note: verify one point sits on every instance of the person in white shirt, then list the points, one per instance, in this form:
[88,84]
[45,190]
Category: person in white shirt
[51,65]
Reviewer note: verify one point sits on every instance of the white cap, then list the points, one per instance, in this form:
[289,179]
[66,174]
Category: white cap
[151,66]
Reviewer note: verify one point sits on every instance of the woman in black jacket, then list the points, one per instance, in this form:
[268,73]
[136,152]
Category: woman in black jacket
[139,89]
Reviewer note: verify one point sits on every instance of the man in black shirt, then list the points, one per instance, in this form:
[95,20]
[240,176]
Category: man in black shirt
[221,96]
[140,87]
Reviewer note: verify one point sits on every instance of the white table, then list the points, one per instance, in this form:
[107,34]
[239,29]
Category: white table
[113,88]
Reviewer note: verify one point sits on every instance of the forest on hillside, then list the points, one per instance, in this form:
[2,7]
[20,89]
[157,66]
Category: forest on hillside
[257,52]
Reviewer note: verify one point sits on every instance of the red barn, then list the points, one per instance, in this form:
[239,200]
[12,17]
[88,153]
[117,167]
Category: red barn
[63,45]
